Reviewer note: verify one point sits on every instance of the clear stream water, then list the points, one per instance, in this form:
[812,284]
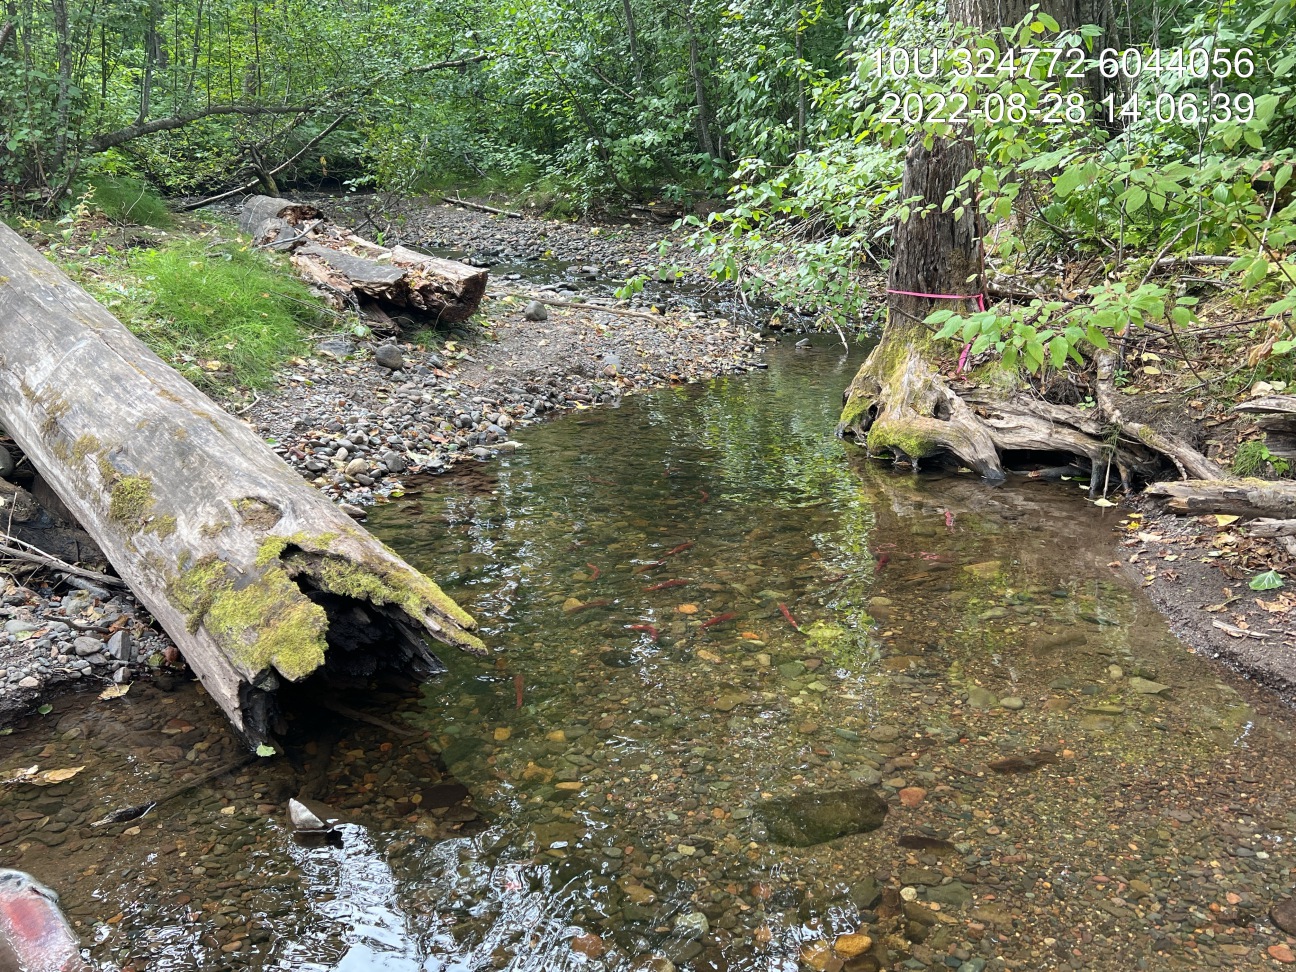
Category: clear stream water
[591,796]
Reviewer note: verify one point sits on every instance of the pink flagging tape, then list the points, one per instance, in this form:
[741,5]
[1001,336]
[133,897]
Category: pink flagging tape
[979,298]
[981,306]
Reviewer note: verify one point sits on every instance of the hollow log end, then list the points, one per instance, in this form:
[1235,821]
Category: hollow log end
[314,604]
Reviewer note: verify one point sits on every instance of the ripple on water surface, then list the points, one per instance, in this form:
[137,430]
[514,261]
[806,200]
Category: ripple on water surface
[704,609]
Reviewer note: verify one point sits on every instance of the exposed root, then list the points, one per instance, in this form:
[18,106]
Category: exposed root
[900,405]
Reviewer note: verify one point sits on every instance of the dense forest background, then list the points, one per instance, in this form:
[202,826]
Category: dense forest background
[766,119]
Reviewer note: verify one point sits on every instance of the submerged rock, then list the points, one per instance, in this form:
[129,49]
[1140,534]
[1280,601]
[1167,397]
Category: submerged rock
[814,818]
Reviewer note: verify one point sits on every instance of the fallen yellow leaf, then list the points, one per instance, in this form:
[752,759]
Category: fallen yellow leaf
[1223,520]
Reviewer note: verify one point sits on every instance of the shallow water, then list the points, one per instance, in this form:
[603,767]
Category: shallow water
[618,748]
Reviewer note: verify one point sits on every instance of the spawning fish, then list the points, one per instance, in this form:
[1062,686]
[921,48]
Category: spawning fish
[651,565]
[34,935]
[649,629]
[594,576]
[663,585]
[719,619]
[788,614]
[676,550]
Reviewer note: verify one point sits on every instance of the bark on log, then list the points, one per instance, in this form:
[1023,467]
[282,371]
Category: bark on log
[256,576]
[1247,498]
[325,255]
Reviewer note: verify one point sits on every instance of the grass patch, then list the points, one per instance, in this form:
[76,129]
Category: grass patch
[226,316]
[125,200]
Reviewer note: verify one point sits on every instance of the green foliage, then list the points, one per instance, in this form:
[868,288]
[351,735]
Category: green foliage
[223,314]
[1253,458]
[126,200]
[1270,580]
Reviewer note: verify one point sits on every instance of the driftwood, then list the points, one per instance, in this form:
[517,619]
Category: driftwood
[1276,417]
[483,208]
[1247,498]
[353,270]
[602,309]
[256,576]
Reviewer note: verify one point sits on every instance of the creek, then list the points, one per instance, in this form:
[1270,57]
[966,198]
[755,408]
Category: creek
[702,603]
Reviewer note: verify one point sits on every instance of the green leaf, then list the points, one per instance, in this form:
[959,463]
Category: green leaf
[1058,351]
[264,750]
[45,709]
[1135,197]
[1270,580]
[1069,180]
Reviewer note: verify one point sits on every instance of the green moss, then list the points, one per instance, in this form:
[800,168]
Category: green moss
[270,622]
[131,499]
[267,622]
[163,526]
[894,438]
[853,412]
[380,584]
[84,446]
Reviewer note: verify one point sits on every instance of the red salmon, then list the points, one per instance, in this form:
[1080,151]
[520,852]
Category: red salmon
[34,935]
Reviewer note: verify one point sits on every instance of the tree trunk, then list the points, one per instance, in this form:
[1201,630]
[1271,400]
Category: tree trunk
[632,35]
[256,576]
[900,404]
[63,99]
[699,88]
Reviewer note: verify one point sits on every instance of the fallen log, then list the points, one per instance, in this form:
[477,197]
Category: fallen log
[256,576]
[1246,498]
[483,208]
[326,256]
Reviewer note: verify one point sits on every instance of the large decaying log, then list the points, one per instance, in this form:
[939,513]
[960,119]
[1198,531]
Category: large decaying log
[355,269]
[255,575]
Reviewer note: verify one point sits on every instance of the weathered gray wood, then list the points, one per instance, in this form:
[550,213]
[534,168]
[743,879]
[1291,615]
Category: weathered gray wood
[255,575]
[1272,528]
[262,217]
[1247,498]
[326,255]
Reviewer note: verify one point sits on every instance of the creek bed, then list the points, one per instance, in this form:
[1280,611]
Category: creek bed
[597,794]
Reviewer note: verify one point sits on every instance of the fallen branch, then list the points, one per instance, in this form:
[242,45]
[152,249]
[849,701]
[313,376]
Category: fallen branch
[248,187]
[1170,263]
[125,814]
[1265,527]
[618,311]
[483,208]
[1246,498]
[35,556]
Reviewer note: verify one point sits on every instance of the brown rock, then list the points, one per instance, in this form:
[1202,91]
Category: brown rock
[1281,953]
[1284,915]
[591,946]
[912,796]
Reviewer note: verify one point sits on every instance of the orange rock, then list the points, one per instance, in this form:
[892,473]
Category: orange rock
[1282,953]
[591,946]
[911,796]
[687,609]
[849,946]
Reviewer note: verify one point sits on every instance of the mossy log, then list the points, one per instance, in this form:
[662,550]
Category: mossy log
[256,576]
[355,270]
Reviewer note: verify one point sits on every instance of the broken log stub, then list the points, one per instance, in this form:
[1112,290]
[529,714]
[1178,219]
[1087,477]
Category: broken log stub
[326,255]
[264,218]
[1245,498]
[255,575]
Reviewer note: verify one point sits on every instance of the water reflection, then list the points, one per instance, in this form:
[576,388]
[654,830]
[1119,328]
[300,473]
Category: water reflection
[701,602]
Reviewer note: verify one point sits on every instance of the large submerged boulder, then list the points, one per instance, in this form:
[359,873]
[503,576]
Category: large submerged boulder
[814,818]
